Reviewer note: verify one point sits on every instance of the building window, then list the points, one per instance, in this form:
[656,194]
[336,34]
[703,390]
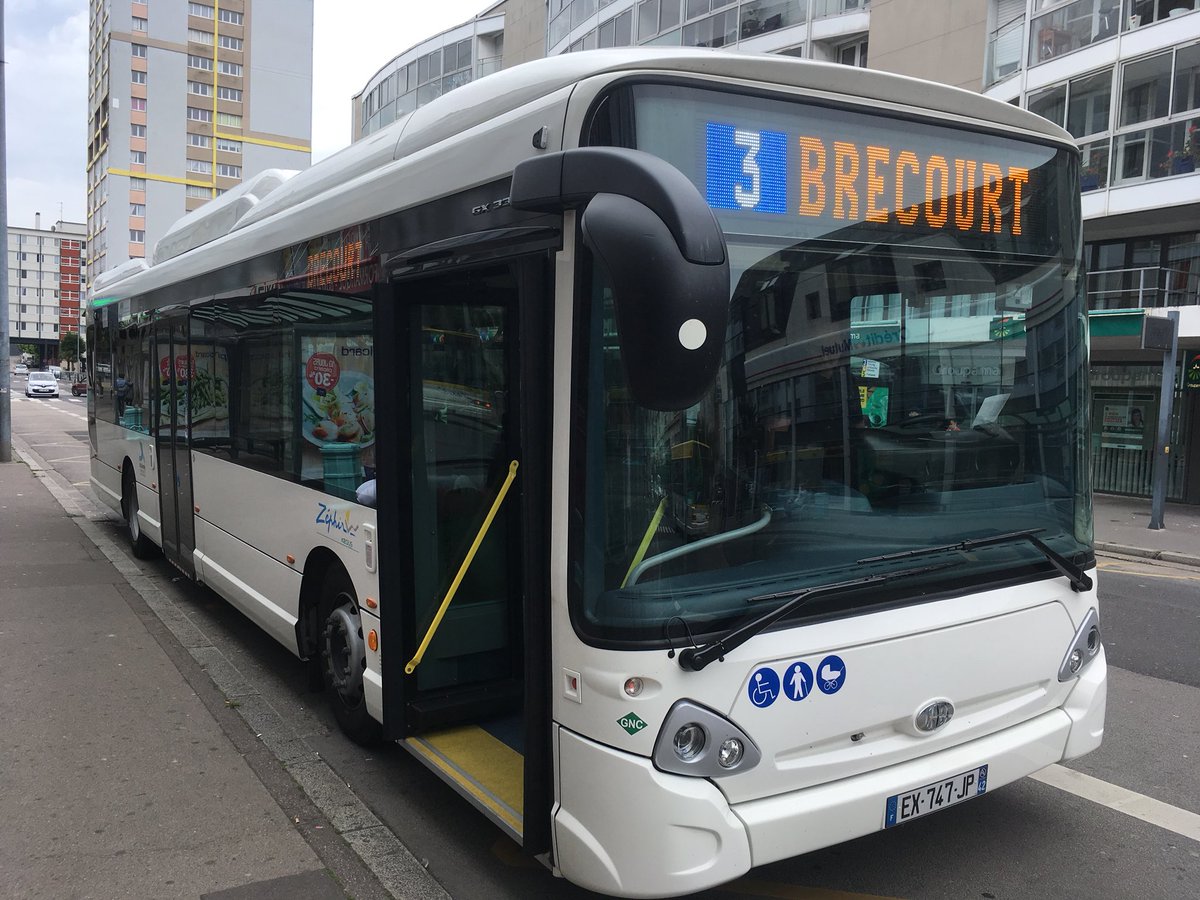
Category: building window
[137,236]
[199,166]
[196,36]
[137,157]
[199,140]
[226,42]
[227,171]
[200,88]
[230,17]
[229,68]
[137,209]
[853,54]
[199,115]
[137,103]
[199,62]
[136,184]
[137,131]
[1146,89]
[229,146]
[137,50]
[229,120]
[139,24]
[196,192]
[137,77]
[228,93]
[200,10]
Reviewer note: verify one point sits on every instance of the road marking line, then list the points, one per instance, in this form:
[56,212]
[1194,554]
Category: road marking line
[1139,806]
[1115,567]
[754,888]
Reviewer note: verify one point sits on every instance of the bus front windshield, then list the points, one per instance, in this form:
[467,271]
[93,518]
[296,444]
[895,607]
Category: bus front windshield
[904,369]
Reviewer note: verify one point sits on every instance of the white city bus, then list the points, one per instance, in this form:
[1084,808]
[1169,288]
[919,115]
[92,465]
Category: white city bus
[681,453]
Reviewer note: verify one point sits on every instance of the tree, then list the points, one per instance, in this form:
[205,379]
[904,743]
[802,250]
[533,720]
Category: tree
[69,346]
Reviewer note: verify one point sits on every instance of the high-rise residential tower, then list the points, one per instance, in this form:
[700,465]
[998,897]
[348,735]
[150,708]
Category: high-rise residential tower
[44,285]
[185,99]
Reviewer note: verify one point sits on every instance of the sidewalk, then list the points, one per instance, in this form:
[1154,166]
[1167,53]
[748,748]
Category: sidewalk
[116,777]
[1122,526]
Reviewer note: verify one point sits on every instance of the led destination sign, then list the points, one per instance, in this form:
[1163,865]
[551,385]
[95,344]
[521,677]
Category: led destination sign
[799,170]
[808,175]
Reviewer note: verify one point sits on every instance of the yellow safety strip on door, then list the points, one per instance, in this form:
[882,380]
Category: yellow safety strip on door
[483,767]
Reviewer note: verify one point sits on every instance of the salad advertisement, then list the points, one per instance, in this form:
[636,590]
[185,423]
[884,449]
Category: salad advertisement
[209,391]
[337,397]
[202,389]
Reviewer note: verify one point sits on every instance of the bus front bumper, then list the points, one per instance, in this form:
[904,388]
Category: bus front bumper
[623,827]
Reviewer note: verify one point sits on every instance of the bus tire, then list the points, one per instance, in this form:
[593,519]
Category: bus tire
[139,544]
[343,655]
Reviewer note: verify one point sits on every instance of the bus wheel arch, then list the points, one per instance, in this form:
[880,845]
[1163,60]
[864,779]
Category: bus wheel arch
[140,544]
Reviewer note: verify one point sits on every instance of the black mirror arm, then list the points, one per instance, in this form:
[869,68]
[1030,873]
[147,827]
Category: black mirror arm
[556,181]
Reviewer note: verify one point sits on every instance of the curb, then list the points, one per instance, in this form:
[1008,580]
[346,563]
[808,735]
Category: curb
[398,871]
[1170,556]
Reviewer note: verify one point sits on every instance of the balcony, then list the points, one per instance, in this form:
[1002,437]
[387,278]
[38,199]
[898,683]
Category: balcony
[1160,152]
[488,65]
[1072,27]
[1148,287]
[823,8]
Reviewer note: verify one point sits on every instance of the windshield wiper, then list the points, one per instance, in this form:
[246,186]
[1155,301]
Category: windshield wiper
[1078,578]
[696,658]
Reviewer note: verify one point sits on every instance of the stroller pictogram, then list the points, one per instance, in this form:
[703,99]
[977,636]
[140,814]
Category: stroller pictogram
[831,674]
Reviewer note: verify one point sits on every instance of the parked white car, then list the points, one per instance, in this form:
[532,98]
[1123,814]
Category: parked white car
[41,384]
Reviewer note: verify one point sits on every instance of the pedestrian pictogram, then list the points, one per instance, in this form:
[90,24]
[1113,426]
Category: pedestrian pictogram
[798,680]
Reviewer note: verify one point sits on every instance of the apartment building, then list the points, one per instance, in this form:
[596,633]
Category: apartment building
[185,99]
[503,35]
[1122,76]
[45,284]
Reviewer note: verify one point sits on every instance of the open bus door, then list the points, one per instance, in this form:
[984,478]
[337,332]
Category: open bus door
[464,492]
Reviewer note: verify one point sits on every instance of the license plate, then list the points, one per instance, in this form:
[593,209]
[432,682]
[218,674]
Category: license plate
[913,804]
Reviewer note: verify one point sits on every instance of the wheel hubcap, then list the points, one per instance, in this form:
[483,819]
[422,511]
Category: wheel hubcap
[346,652]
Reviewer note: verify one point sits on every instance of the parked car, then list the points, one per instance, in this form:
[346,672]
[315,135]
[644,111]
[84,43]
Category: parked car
[20,369]
[56,371]
[79,387]
[41,384]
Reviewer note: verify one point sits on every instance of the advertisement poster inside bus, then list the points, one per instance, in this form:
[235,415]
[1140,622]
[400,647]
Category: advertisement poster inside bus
[337,407]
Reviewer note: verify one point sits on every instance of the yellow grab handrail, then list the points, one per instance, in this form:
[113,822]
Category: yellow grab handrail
[411,665]
[646,539]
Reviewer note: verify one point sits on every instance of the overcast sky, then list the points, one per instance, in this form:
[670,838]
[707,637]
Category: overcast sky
[46,86]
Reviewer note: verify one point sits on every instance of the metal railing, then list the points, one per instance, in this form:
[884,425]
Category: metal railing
[1145,287]
[1068,28]
[822,8]
[488,65]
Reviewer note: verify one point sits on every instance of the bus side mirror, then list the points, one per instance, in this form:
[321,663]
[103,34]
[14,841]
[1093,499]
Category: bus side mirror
[664,254]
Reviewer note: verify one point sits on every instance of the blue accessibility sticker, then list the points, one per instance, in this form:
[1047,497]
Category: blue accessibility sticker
[831,674]
[763,687]
[798,680]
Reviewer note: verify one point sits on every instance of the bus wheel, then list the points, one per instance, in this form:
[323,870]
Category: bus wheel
[344,655]
[139,544]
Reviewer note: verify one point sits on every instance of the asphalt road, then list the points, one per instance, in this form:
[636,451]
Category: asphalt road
[1027,840]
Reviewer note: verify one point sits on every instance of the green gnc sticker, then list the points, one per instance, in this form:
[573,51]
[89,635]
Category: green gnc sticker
[631,723]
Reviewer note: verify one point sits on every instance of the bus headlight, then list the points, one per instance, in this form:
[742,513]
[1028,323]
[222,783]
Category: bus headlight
[689,741]
[695,740]
[1084,647]
[730,753]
